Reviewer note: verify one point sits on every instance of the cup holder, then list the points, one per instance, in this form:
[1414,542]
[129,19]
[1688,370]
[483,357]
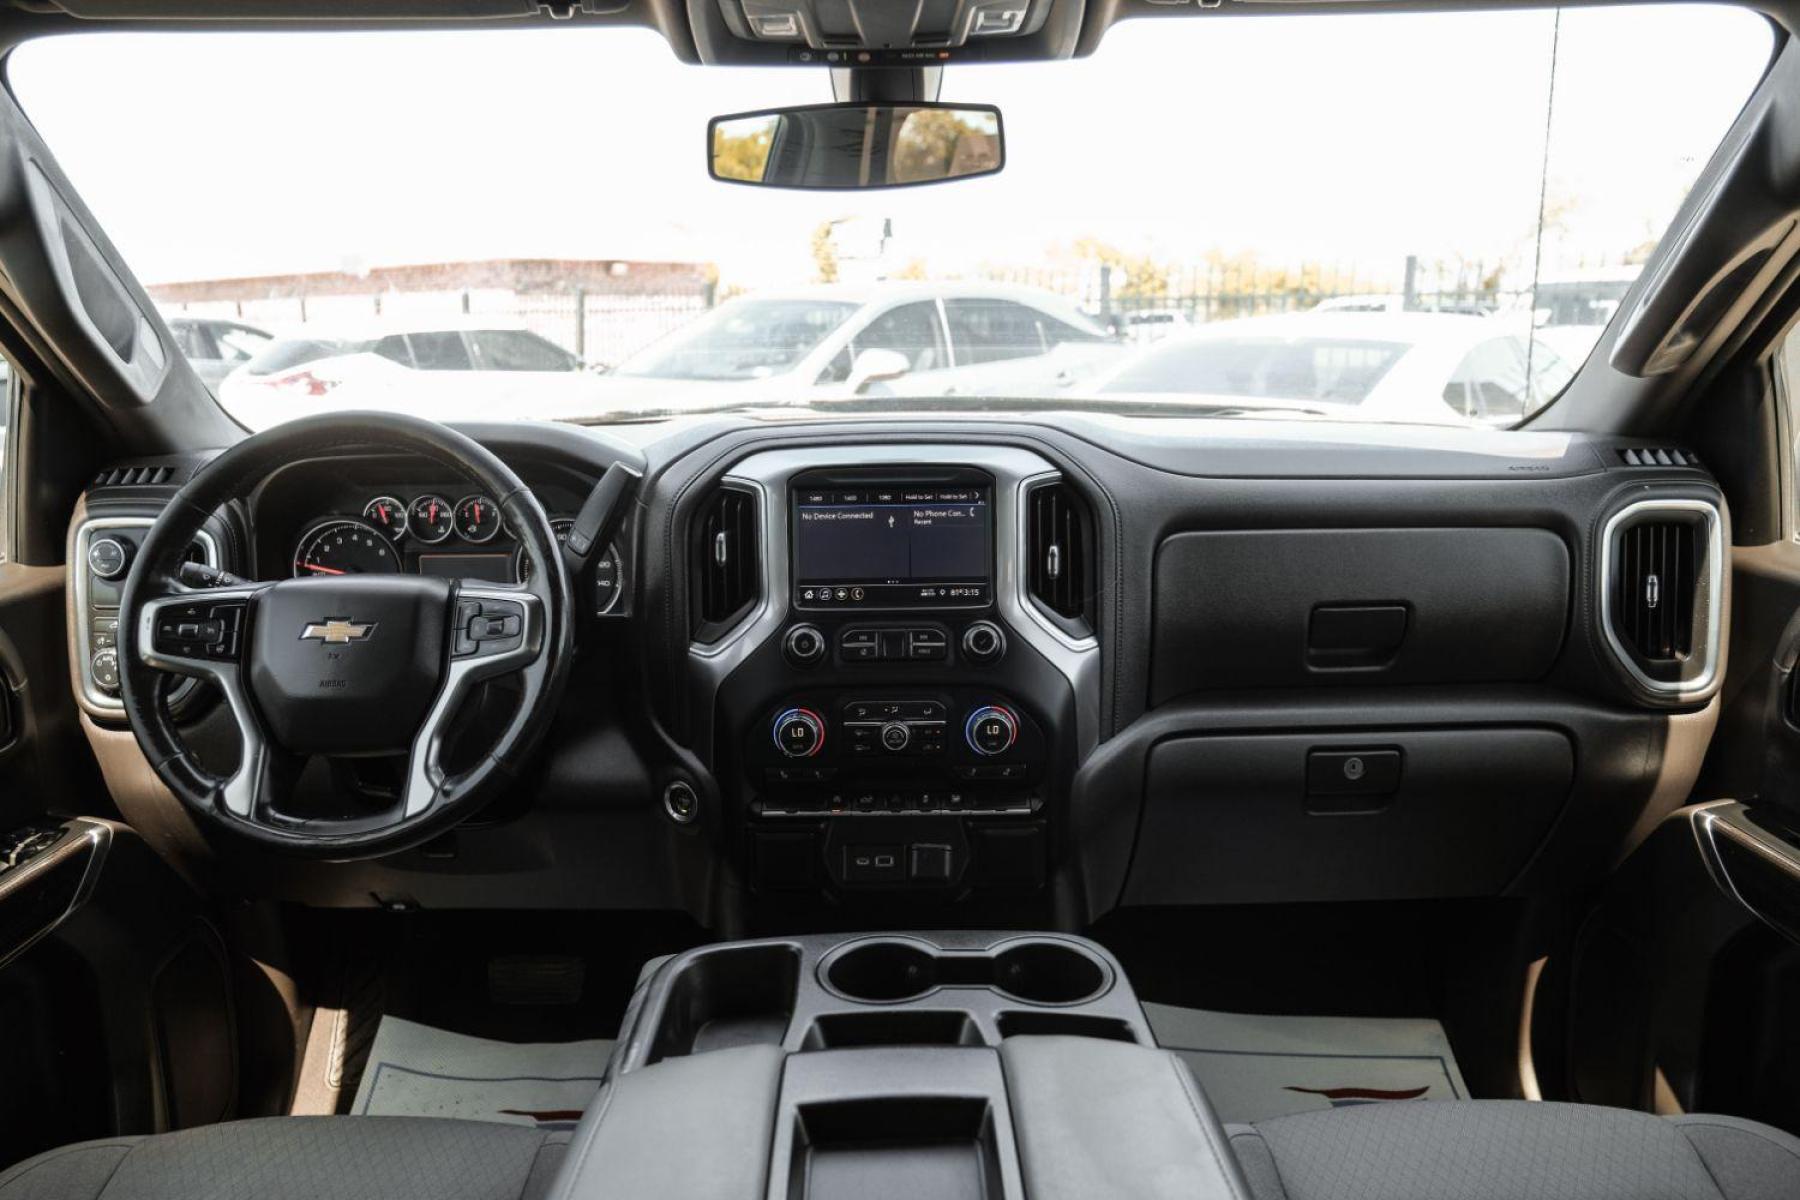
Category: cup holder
[1047,973]
[891,970]
[883,972]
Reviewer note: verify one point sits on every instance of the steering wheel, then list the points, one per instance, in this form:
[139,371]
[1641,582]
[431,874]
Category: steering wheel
[345,666]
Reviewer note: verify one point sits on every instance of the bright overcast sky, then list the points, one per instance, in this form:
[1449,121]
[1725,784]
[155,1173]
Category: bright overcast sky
[1345,139]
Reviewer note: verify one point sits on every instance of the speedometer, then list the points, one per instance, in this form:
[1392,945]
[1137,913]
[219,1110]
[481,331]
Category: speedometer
[344,546]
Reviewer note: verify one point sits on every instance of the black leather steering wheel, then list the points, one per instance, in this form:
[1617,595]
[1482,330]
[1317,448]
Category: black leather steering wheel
[355,665]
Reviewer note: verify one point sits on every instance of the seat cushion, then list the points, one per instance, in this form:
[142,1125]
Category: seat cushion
[1513,1150]
[301,1158]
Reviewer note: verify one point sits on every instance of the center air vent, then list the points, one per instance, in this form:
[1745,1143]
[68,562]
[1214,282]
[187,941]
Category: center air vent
[1059,554]
[726,565]
[1662,580]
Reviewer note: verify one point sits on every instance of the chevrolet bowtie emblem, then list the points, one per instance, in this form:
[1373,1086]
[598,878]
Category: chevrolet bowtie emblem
[338,633]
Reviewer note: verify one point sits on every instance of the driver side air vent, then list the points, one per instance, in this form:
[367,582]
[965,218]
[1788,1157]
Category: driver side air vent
[1059,555]
[725,562]
[1658,605]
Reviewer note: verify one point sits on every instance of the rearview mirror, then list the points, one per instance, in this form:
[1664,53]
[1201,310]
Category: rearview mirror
[838,146]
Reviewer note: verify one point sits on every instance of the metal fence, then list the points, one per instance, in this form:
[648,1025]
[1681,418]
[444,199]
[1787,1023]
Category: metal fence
[1122,296]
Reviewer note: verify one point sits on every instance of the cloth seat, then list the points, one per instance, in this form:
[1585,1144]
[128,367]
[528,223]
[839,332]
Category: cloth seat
[1512,1150]
[301,1158]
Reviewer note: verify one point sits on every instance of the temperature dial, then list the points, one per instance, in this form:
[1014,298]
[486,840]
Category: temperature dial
[799,733]
[991,730]
[477,519]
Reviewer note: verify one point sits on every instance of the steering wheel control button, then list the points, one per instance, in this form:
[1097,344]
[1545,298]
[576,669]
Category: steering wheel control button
[804,645]
[109,558]
[681,802]
[1356,773]
[799,733]
[983,642]
[488,626]
[105,669]
[210,631]
[991,730]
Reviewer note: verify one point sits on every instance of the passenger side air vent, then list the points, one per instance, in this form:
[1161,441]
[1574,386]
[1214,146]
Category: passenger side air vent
[1658,565]
[132,476]
[1059,555]
[1663,575]
[726,562]
[1658,456]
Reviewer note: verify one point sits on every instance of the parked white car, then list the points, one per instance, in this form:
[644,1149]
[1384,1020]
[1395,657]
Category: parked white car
[840,341]
[1434,368]
[472,370]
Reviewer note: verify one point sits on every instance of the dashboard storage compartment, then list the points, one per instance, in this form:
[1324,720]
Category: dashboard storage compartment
[724,996]
[1286,608]
[1268,818]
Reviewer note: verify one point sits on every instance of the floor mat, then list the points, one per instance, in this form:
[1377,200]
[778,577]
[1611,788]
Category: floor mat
[1257,1067]
[417,1071]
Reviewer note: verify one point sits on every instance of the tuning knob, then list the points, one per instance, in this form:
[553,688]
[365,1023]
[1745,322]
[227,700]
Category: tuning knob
[799,733]
[991,730]
[983,642]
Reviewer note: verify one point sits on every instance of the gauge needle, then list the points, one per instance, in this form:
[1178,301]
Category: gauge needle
[315,567]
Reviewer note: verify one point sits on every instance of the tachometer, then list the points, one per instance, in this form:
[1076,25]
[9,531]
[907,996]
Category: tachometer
[430,518]
[344,546]
[388,515]
[477,519]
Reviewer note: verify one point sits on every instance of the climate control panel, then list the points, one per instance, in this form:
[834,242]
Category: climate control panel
[831,774]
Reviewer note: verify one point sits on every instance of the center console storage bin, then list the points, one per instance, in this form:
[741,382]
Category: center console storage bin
[1287,608]
[1233,820]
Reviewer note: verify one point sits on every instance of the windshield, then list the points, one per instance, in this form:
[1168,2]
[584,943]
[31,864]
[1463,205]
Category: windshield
[742,339]
[522,222]
[1318,368]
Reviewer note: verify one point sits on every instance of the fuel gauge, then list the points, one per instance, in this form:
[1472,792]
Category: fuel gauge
[388,515]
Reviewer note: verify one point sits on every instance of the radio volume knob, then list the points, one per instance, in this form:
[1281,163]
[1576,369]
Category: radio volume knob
[804,645]
[799,733]
[991,730]
[983,642]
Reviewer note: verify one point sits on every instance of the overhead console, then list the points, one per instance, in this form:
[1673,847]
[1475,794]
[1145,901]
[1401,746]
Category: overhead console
[875,33]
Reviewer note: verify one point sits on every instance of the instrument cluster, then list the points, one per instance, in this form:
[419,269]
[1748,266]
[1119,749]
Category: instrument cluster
[428,534]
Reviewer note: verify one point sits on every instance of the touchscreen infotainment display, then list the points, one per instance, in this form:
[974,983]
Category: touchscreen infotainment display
[893,546]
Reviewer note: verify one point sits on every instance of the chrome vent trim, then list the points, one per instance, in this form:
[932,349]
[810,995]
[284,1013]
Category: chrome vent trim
[1704,614]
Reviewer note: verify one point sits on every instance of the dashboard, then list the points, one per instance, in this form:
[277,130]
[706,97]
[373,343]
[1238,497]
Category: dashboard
[1000,671]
